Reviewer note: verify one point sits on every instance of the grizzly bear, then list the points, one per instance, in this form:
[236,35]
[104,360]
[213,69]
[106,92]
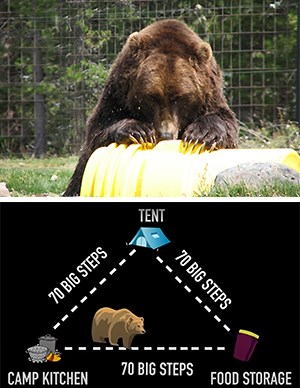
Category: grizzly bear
[115,324]
[164,84]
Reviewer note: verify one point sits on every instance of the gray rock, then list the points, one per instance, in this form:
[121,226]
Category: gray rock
[256,175]
[3,190]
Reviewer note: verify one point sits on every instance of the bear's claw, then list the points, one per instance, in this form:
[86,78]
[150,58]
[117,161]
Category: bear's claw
[141,141]
[133,139]
[132,131]
[191,142]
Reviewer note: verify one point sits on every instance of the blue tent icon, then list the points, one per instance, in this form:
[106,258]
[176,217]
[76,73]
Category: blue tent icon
[149,238]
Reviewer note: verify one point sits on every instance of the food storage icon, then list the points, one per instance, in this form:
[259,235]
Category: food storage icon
[245,344]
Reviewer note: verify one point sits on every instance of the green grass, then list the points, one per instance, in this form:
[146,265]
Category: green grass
[37,177]
[50,176]
[276,189]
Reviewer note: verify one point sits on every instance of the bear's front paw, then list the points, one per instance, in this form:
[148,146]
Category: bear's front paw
[210,137]
[133,131]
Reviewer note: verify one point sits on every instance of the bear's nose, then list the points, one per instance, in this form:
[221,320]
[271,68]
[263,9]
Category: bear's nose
[166,136]
[143,331]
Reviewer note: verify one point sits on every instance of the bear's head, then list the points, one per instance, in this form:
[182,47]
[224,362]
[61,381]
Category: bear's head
[173,79]
[135,325]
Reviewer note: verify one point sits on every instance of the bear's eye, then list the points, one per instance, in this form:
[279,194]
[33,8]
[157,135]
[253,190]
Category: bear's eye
[157,98]
[179,99]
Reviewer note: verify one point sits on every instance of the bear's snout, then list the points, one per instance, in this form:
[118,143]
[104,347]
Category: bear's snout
[143,331]
[168,129]
[166,136]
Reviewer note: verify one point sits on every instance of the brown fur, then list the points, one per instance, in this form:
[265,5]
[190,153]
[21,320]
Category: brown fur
[116,324]
[164,84]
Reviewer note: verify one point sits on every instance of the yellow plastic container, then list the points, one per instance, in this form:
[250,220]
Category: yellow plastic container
[168,170]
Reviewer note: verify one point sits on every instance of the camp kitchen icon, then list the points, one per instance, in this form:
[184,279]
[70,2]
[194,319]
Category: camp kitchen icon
[44,351]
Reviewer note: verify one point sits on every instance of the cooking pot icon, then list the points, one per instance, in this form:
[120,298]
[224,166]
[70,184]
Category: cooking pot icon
[48,342]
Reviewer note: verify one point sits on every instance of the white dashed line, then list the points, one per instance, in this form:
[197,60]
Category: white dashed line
[178,279]
[146,348]
[93,290]
[112,271]
[188,289]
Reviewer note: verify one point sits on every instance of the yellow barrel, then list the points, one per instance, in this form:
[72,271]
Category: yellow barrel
[168,170]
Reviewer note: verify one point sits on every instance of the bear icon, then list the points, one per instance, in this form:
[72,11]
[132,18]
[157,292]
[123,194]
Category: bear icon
[115,324]
[165,84]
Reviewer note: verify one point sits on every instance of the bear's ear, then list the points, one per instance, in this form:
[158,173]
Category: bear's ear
[134,41]
[138,41]
[204,53]
[142,319]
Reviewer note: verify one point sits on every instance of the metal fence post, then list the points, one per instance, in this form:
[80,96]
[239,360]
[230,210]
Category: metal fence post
[298,72]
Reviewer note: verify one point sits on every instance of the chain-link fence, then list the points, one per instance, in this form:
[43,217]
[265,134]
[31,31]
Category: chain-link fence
[55,56]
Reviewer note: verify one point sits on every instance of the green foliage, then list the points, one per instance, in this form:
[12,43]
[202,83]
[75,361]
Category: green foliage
[269,135]
[89,74]
[264,37]
[71,82]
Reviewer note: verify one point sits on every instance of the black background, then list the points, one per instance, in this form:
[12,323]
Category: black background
[251,250]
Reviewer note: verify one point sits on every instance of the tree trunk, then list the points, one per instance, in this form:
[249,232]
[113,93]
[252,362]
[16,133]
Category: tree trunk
[39,99]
